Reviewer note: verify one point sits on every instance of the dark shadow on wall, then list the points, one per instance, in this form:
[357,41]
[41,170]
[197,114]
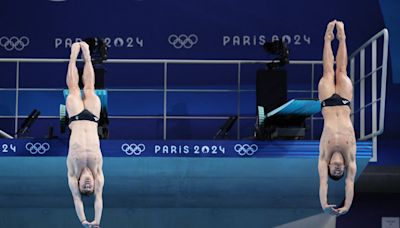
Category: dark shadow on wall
[390,12]
[369,208]
[377,195]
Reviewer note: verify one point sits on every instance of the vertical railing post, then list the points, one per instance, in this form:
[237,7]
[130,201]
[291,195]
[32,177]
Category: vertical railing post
[312,96]
[238,101]
[374,98]
[16,98]
[362,93]
[383,80]
[165,101]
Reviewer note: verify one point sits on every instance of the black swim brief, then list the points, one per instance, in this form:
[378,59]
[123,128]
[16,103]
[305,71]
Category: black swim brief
[84,115]
[335,100]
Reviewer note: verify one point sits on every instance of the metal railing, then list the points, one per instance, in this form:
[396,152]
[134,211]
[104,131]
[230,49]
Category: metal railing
[361,80]
[166,63]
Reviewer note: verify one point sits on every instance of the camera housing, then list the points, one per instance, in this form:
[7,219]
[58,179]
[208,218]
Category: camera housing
[279,48]
[98,49]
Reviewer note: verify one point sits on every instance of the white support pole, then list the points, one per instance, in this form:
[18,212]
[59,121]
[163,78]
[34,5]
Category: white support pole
[374,104]
[238,103]
[165,101]
[362,93]
[16,99]
[383,80]
[312,96]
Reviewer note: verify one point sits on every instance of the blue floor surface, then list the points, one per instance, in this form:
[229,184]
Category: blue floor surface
[164,191]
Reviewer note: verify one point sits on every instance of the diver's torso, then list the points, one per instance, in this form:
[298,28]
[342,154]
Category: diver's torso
[338,133]
[84,147]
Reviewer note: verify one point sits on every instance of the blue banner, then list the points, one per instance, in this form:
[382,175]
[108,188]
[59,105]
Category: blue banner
[176,148]
[174,29]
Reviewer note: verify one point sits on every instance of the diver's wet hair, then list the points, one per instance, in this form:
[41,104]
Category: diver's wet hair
[335,178]
[87,193]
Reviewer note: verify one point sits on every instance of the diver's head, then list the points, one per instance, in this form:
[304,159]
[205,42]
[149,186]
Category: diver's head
[86,182]
[336,166]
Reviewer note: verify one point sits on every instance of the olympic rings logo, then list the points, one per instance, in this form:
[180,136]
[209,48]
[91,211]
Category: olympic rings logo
[14,43]
[182,40]
[35,148]
[246,149]
[130,149]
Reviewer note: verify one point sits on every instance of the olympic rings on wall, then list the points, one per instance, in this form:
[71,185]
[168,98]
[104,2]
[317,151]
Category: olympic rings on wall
[183,40]
[37,147]
[246,149]
[130,149]
[14,43]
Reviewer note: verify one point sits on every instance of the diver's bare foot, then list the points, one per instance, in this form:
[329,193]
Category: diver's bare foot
[329,31]
[85,51]
[340,31]
[75,48]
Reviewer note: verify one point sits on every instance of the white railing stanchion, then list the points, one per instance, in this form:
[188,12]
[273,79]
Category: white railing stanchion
[374,105]
[362,93]
[383,81]
[238,103]
[16,98]
[312,96]
[165,101]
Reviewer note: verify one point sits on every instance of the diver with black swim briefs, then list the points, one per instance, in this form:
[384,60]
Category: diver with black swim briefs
[84,160]
[337,148]
[335,100]
[84,115]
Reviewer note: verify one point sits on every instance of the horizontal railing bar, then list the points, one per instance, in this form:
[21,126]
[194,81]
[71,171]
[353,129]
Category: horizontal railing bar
[155,90]
[367,105]
[177,61]
[143,117]
[371,135]
[367,75]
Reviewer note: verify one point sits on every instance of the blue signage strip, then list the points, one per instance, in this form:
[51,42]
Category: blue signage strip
[176,148]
